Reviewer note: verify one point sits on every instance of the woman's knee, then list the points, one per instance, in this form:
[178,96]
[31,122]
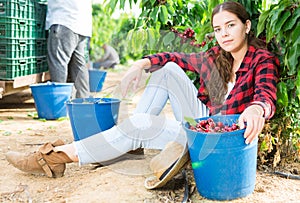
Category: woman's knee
[171,66]
[173,69]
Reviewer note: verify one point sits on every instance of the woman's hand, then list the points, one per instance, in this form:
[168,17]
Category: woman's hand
[253,117]
[133,75]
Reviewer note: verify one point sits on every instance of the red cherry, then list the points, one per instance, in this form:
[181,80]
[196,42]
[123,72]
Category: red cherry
[209,126]
[217,129]
[203,123]
[220,124]
[209,120]
[212,124]
[235,126]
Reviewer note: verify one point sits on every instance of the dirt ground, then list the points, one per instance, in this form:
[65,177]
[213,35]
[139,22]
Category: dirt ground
[120,182]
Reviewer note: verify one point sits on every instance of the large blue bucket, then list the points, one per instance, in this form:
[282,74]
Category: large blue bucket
[224,166]
[89,116]
[50,99]
[96,79]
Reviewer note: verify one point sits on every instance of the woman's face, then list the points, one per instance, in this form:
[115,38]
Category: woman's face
[230,32]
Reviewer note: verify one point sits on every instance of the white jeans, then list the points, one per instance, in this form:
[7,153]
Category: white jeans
[146,128]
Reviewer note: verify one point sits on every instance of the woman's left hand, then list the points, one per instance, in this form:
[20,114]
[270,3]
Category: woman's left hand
[133,75]
[253,117]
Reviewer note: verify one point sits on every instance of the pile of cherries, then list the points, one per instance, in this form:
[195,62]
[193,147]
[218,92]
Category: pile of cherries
[210,126]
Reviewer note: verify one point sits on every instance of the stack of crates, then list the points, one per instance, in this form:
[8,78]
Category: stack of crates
[23,45]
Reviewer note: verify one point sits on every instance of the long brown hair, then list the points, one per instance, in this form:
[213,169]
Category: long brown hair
[217,87]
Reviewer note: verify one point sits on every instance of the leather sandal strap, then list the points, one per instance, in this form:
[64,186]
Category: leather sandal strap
[44,165]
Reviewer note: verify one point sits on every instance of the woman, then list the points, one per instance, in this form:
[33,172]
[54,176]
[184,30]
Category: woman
[236,77]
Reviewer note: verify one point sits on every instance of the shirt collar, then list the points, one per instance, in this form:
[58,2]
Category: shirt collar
[245,65]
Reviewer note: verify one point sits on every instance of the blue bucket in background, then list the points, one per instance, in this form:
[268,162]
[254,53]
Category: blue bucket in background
[224,166]
[89,116]
[50,99]
[96,79]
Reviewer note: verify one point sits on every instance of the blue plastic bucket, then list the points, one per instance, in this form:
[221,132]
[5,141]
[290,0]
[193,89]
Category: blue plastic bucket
[224,166]
[89,116]
[96,79]
[50,99]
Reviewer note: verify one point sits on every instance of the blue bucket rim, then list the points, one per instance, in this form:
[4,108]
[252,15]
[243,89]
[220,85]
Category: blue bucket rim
[112,101]
[97,70]
[233,133]
[47,84]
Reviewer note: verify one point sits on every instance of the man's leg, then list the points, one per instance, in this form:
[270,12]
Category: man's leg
[60,49]
[78,70]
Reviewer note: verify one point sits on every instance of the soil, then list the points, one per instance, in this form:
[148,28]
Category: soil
[119,182]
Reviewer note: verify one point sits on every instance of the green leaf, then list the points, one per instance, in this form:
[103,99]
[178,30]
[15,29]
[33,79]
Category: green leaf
[151,38]
[177,40]
[292,20]
[139,39]
[171,10]
[112,4]
[269,34]
[129,36]
[190,120]
[32,114]
[180,4]
[153,14]
[282,96]
[163,14]
[262,22]
[292,58]
[139,23]
[296,32]
[144,13]
[122,4]
[152,2]
[7,133]
[158,26]
[168,38]
[62,118]
[274,15]
[263,146]
[281,21]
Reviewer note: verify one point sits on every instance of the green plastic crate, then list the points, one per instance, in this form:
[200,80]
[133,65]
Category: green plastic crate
[40,11]
[21,28]
[15,28]
[41,65]
[16,48]
[18,9]
[12,68]
[40,47]
[19,48]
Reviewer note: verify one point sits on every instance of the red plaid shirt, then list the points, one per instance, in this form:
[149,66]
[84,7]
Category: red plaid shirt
[256,78]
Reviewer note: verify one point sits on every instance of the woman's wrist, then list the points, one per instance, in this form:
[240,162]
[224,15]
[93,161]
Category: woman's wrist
[259,109]
[143,63]
[266,107]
